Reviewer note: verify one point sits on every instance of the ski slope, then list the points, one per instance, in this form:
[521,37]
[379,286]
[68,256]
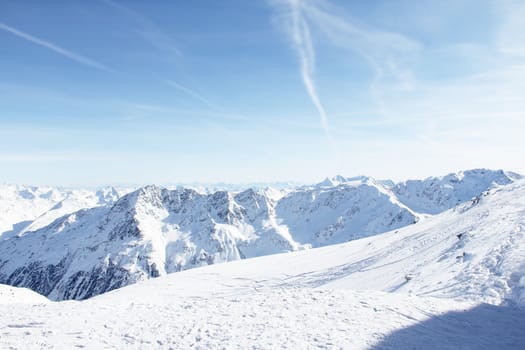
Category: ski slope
[454,280]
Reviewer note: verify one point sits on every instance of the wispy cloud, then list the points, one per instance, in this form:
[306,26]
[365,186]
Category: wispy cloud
[63,156]
[48,45]
[386,53]
[474,106]
[148,30]
[344,31]
[189,92]
[238,119]
[511,39]
[299,32]
[157,38]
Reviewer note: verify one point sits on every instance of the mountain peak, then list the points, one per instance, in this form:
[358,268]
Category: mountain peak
[436,194]
[340,180]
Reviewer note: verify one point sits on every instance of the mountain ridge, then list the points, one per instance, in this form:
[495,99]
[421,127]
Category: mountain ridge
[154,231]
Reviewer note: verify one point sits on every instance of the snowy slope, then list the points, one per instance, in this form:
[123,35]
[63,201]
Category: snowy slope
[354,295]
[13,295]
[286,318]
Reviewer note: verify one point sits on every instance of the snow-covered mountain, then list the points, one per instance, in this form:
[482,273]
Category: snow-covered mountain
[339,180]
[473,252]
[22,204]
[456,279]
[154,231]
[339,210]
[436,194]
[27,208]
[147,233]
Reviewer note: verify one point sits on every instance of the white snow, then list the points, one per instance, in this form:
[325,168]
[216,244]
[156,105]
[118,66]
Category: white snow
[13,295]
[28,208]
[154,231]
[342,210]
[285,318]
[436,194]
[466,290]
[492,238]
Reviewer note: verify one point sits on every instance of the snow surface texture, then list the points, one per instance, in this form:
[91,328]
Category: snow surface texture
[455,280]
[153,231]
[235,318]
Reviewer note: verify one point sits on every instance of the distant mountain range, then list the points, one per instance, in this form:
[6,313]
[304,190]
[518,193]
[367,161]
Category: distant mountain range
[76,244]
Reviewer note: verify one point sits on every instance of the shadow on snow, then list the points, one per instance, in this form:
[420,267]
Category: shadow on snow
[482,327]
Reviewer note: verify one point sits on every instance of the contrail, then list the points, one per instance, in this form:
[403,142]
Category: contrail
[150,32]
[304,47]
[71,55]
[189,92]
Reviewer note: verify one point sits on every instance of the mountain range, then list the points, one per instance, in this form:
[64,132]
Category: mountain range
[452,280]
[76,244]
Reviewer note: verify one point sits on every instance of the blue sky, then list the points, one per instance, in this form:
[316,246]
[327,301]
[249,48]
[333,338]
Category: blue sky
[135,92]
